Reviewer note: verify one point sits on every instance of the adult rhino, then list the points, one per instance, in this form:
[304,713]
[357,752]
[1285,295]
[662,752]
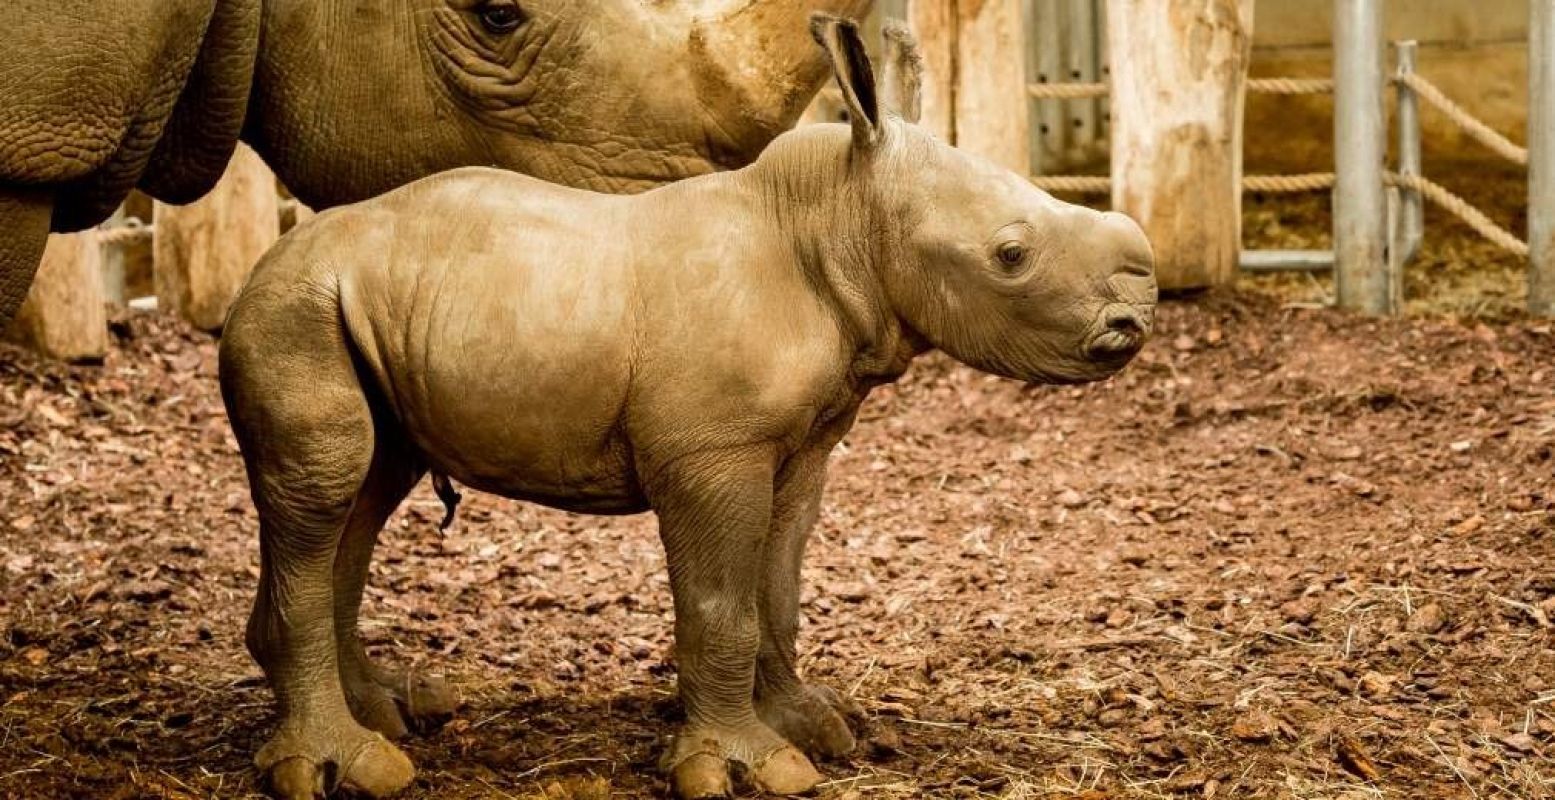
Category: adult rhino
[349,98]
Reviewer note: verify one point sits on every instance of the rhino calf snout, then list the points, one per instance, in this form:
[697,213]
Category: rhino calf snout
[1123,329]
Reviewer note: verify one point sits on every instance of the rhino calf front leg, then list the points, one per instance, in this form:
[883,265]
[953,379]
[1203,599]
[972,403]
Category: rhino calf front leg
[391,703]
[715,510]
[813,718]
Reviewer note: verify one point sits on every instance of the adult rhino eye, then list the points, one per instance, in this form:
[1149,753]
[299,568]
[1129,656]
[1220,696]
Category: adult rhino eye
[501,18]
[1011,254]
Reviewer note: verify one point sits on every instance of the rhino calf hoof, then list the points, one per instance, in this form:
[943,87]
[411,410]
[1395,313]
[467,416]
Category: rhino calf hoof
[395,704]
[700,763]
[309,767]
[813,718]
[786,772]
[702,776]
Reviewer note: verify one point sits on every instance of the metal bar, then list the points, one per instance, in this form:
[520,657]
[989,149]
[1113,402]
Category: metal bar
[1286,260]
[1360,269]
[1080,56]
[1541,158]
[1411,205]
[1051,133]
[1103,74]
[1395,232]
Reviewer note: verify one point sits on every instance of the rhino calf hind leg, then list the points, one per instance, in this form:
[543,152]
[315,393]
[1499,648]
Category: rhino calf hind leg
[715,510]
[390,703]
[307,439]
[813,718]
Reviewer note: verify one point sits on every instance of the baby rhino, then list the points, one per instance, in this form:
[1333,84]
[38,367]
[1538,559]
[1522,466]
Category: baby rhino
[696,351]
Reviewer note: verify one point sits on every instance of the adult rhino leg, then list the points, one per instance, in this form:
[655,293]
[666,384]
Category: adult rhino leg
[24,233]
[388,702]
[813,718]
[307,439]
[714,513]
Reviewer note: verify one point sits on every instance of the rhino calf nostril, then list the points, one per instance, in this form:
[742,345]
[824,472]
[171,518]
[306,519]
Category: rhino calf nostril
[1125,323]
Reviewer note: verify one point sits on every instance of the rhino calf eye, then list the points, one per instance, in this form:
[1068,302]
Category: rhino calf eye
[501,18]
[1011,254]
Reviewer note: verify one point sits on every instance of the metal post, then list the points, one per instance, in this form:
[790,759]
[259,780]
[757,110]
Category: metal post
[1358,207]
[1050,130]
[1103,74]
[1541,158]
[1394,228]
[1080,53]
[1411,221]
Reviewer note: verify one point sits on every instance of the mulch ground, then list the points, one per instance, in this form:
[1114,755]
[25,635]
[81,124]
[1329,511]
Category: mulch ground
[1288,554]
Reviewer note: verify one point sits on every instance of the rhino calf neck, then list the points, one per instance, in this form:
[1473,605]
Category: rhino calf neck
[697,350]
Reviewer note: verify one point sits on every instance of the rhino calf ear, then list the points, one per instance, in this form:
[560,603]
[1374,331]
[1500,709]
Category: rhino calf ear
[902,79]
[850,63]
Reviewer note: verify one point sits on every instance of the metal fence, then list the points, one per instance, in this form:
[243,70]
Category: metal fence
[1377,213]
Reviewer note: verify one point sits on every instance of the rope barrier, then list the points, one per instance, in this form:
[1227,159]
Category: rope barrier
[129,232]
[1066,91]
[1076,91]
[1460,208]
[1081,184]
[1291,85]
[1286,184]
[1470,125]
[1317,181]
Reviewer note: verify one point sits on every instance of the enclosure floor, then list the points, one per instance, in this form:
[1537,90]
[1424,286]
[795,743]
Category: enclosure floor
[1285,551]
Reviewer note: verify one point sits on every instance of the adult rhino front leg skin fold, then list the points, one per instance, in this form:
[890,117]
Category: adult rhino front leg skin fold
[24,233]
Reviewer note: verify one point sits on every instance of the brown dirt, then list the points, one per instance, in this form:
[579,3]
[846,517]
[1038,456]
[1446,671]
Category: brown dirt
[1288,554]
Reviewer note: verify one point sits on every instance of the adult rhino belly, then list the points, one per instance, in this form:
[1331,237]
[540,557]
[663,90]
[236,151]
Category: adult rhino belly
[509,376]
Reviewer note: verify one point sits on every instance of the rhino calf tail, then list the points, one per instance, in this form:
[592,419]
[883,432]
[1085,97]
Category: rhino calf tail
[450,497]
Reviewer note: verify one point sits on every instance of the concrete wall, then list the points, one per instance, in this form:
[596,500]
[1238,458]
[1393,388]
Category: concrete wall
[1309,23]
[1475,50]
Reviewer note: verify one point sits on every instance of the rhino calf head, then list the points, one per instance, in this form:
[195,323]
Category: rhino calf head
[975,259]
[697,350]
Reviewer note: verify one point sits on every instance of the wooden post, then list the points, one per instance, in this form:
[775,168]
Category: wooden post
[64,316]
[1541,158]
[203,251]
[934,23]
[1179,70]
[992,114]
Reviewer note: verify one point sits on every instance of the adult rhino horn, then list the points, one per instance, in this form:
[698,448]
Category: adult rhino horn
[757,67]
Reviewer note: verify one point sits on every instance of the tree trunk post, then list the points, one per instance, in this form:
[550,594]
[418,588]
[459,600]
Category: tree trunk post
[992,114]
[64,315]
[934,23]
[1541,159]
[1179,74]
[204,251]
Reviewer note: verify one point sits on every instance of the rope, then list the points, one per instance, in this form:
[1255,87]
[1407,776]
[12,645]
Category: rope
[1470,125]
[1290,85]
[1072,91]
[1066,91]
[1081,184]
[1316,181]
[129,232]
[1285,184]
[1461,209]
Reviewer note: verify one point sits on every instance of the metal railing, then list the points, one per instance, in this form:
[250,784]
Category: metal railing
[1378,215]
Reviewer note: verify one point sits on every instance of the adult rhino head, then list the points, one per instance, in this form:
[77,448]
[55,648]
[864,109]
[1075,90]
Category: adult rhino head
[349,98]
[612,95]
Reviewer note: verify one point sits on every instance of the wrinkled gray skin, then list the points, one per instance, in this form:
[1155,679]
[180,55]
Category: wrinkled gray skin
[697,350]
[347,99]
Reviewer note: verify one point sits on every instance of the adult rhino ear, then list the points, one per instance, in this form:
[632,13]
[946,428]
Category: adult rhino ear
[901,84]
[850,63]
